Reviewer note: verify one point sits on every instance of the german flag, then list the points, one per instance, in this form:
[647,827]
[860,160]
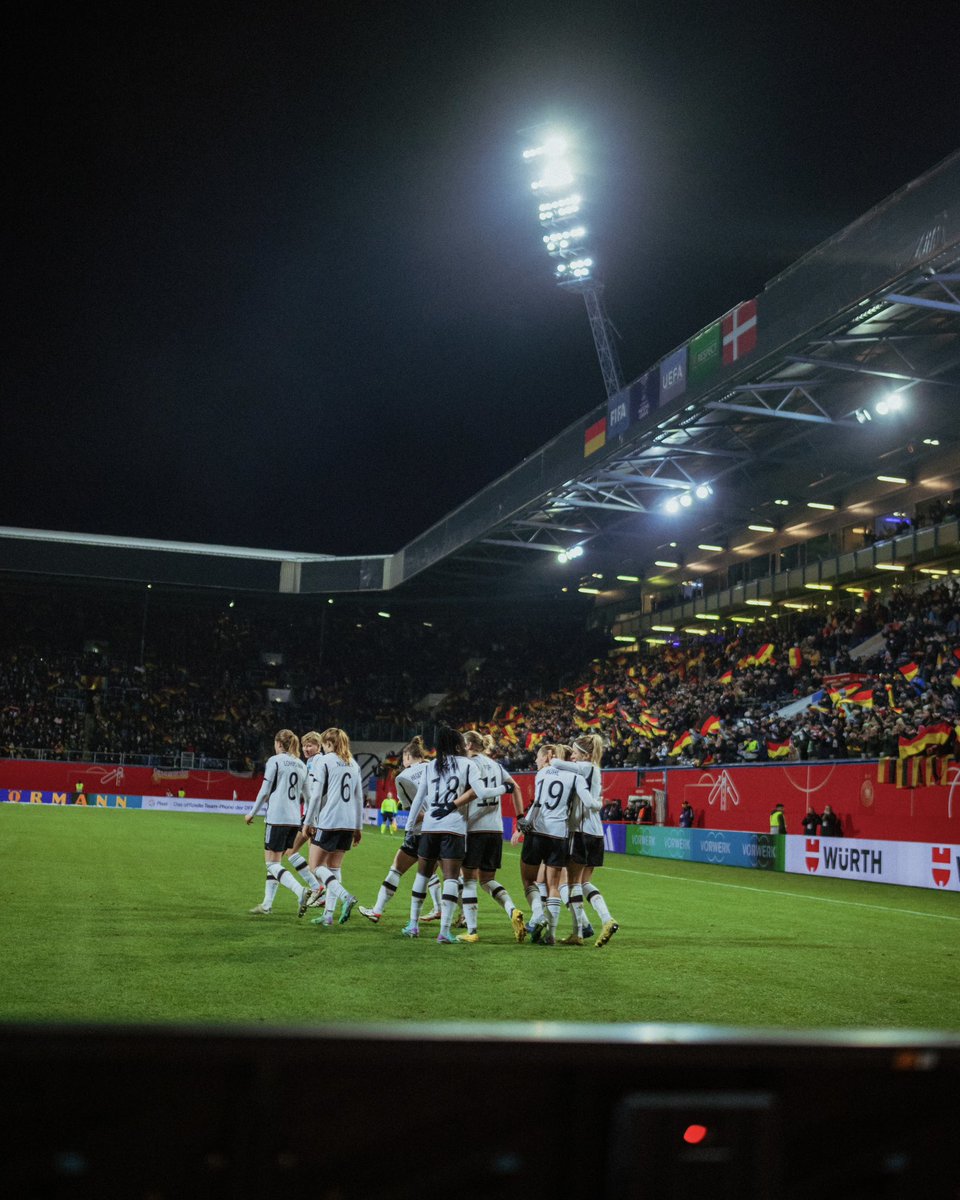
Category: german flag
[727,676]
[890,703]
[886,770]
[795,658]
[909,671]
[955,678]
[710,725]
[864,698]
[909,746]
[935,735]
[685,739]
[778,749]
[532,740]
[595,437]
[764,654]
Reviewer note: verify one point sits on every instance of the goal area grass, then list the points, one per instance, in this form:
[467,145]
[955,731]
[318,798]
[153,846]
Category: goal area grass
[113,916]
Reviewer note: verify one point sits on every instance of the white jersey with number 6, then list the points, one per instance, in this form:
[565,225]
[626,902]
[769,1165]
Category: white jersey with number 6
[336,794]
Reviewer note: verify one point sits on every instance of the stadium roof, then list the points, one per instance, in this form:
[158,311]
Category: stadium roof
[774,402]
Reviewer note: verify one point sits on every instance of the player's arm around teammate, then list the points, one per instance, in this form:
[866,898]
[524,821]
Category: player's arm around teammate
[586,852]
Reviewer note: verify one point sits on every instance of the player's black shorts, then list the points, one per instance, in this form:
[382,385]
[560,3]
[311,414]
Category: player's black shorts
[279,837]
[334,839]
[587,850]
[537,849]
[442,845]
[411,845]
[484,850]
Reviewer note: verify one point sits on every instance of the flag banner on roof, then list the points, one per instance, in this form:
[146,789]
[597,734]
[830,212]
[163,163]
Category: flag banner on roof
[595,437]
[739,331]
[618,413]
[704,354]
[645,394]
[673,375]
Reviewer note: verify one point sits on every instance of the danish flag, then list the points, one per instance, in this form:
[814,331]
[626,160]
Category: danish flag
[739,331]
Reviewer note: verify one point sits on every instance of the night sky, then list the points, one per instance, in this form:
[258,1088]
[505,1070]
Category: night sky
[274,276]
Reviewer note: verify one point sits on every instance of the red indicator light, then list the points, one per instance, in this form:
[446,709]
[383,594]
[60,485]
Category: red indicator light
[693,1135]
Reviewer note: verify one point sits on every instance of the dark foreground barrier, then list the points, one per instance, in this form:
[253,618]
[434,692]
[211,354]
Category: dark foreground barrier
[494,1111]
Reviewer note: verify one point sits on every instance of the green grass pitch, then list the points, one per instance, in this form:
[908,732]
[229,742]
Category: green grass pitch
[137,916]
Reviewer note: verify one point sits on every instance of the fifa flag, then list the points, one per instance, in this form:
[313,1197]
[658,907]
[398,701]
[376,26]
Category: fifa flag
[909,671]
[796,658]
[739,332]
[778,749]
[595,437]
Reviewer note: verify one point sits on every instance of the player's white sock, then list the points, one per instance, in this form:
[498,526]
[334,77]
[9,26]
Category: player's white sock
[435,894]
[448,905]
[542,889]
[470,904]
[417,897]
[388,889]
[553,913]
[499,893]
[535,901]
[299,864]
[282,875]
[270,891]
[592,896]
[334,891]
[564,894]
[576,908]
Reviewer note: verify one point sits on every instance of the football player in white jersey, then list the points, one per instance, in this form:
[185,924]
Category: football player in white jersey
[485,840]
[555,812]
[586,853]
[413,759]
[284,781]
[335,810]
[443,837]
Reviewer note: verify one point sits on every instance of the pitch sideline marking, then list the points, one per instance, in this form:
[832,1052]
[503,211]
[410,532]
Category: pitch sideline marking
[741,887]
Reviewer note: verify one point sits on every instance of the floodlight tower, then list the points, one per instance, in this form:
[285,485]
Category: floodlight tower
[565,240]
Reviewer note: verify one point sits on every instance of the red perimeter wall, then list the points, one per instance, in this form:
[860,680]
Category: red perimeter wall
[134,781]
[733,797]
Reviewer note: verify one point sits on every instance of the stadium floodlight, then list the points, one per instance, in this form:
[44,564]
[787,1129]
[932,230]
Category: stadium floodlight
[576,552]
[564,238]
[703,492]
[563,557]
[686,500]
[672,506]
[891,403]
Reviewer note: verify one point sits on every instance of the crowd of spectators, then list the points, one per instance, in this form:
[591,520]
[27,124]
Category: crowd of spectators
[146,674]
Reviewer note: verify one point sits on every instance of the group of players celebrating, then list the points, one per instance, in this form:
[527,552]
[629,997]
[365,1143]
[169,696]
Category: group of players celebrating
[455,820]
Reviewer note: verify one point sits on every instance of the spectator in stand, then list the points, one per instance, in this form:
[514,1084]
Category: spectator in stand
[646,815]
[685,820]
